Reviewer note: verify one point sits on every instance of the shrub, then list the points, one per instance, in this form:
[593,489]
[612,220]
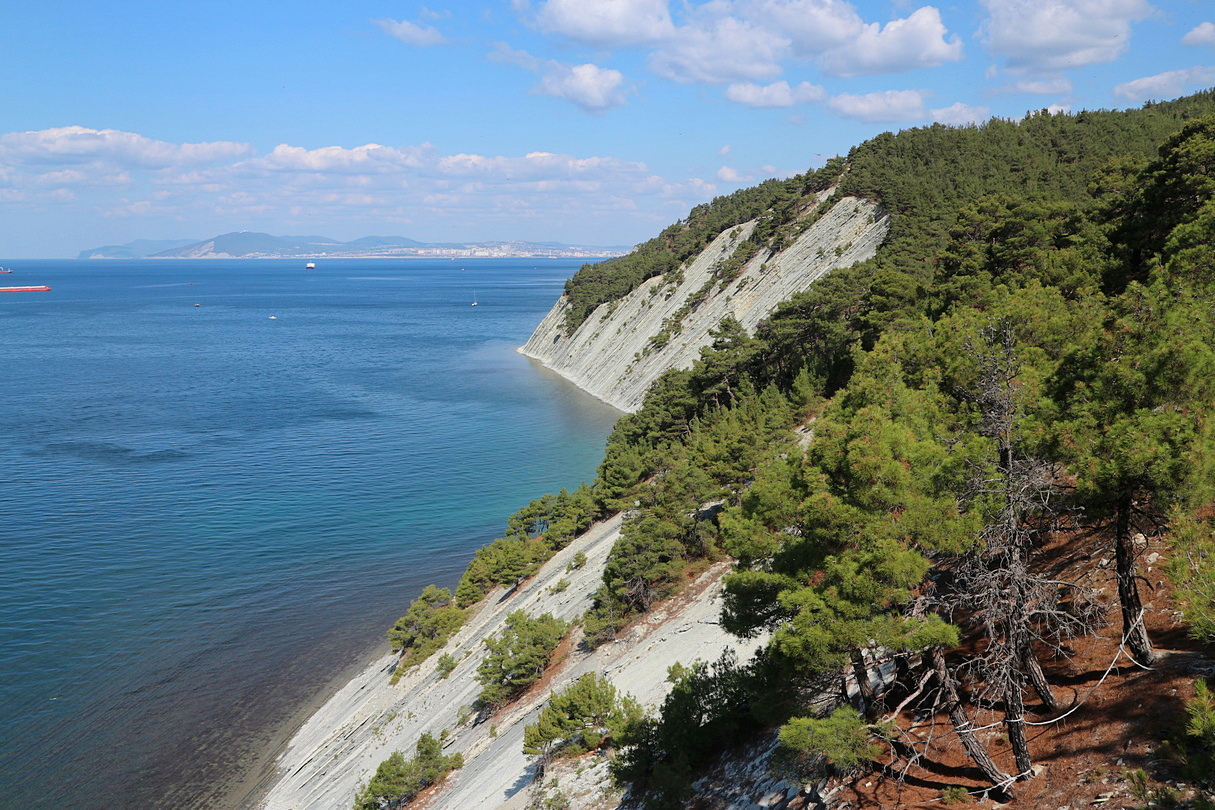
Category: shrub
[518,657]
[445,665]
[580,719]
[842,737]
[709,708]
[1199,746]
[425,628]
[397,781]
[954,795]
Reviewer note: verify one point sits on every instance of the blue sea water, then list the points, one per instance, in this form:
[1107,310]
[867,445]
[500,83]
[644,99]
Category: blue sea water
[221,481]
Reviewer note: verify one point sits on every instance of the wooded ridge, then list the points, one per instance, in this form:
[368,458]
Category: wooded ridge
[939,475]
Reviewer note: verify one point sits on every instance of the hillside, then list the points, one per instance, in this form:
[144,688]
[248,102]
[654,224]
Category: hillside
[623,346]
[959,484]
[341,746]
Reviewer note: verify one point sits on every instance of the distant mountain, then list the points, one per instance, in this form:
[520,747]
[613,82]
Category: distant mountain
[382,242]
[133,250]
[248,244]
[251,245]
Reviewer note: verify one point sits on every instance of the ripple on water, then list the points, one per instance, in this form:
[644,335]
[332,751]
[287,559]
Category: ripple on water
[207,519]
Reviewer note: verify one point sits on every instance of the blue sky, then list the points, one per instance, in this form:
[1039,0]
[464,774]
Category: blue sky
[579,121]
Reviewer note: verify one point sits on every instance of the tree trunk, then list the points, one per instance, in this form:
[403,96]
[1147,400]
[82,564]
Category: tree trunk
[1014,722]
[865,691]
[1033,668]
[1134,634]
[962,726]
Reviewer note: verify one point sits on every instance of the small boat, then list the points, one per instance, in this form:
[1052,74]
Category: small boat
[474,298]
[310,266]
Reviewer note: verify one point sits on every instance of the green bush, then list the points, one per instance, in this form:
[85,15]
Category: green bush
[425,628]
[842,737]
[518,657]
[446,663]
[582,718]
[1198,748]
[955,795]
[397,781]
[1191,567]
[710,708]
[534,534]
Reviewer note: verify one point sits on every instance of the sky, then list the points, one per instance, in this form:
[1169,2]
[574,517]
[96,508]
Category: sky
[589,122]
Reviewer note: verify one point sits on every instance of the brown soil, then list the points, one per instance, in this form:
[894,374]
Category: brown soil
[1115,717]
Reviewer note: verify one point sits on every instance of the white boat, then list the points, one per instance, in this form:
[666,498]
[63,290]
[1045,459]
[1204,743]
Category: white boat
[310,266]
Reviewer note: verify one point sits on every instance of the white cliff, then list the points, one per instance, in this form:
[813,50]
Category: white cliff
[611,354]
[341,746]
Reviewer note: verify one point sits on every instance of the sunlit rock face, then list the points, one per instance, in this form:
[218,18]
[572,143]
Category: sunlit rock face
[614,355]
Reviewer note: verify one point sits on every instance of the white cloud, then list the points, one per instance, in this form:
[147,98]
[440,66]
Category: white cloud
[891,106]
[1202,34]
[728,175]
[591,87]
[1166,85]
[694,188]
[81,145]
[370,158]
[607,22]
[960,114]
[1045,36]
[716,50]
[723,41]
[411,33]
[373,182]
[915,42]
[1054,86]
[778,94]
[813,26]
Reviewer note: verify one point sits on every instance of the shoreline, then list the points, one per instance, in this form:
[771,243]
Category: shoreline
[248,789]
[342,742]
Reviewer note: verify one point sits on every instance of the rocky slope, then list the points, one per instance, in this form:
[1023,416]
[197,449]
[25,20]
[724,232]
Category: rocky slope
[612,355]
[340,747]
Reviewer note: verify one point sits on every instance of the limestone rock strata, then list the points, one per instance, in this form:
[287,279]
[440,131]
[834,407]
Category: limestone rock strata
[340,747]
[611,354]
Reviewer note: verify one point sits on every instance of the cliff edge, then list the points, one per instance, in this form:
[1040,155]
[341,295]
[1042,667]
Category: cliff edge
[625,345]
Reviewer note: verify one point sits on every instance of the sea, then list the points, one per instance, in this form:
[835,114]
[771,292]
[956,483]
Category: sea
[221,481]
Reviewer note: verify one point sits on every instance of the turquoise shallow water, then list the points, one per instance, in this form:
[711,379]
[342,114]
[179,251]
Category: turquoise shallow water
[207,513]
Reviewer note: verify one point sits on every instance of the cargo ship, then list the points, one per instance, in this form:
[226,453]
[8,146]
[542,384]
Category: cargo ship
[42,288]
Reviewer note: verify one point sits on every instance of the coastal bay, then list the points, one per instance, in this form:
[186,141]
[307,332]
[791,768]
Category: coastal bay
[212,516]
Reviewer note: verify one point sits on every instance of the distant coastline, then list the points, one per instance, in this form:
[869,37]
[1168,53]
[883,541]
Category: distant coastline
[249,245]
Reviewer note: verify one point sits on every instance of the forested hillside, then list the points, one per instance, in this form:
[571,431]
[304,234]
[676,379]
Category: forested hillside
[939,471]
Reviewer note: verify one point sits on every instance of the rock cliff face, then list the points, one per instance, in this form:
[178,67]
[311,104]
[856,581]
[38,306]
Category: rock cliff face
[616,353]
[341,746]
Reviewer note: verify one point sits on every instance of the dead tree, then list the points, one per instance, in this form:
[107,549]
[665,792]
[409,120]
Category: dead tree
[998,589]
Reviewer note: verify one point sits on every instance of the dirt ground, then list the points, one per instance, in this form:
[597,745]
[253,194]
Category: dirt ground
[1114,716]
